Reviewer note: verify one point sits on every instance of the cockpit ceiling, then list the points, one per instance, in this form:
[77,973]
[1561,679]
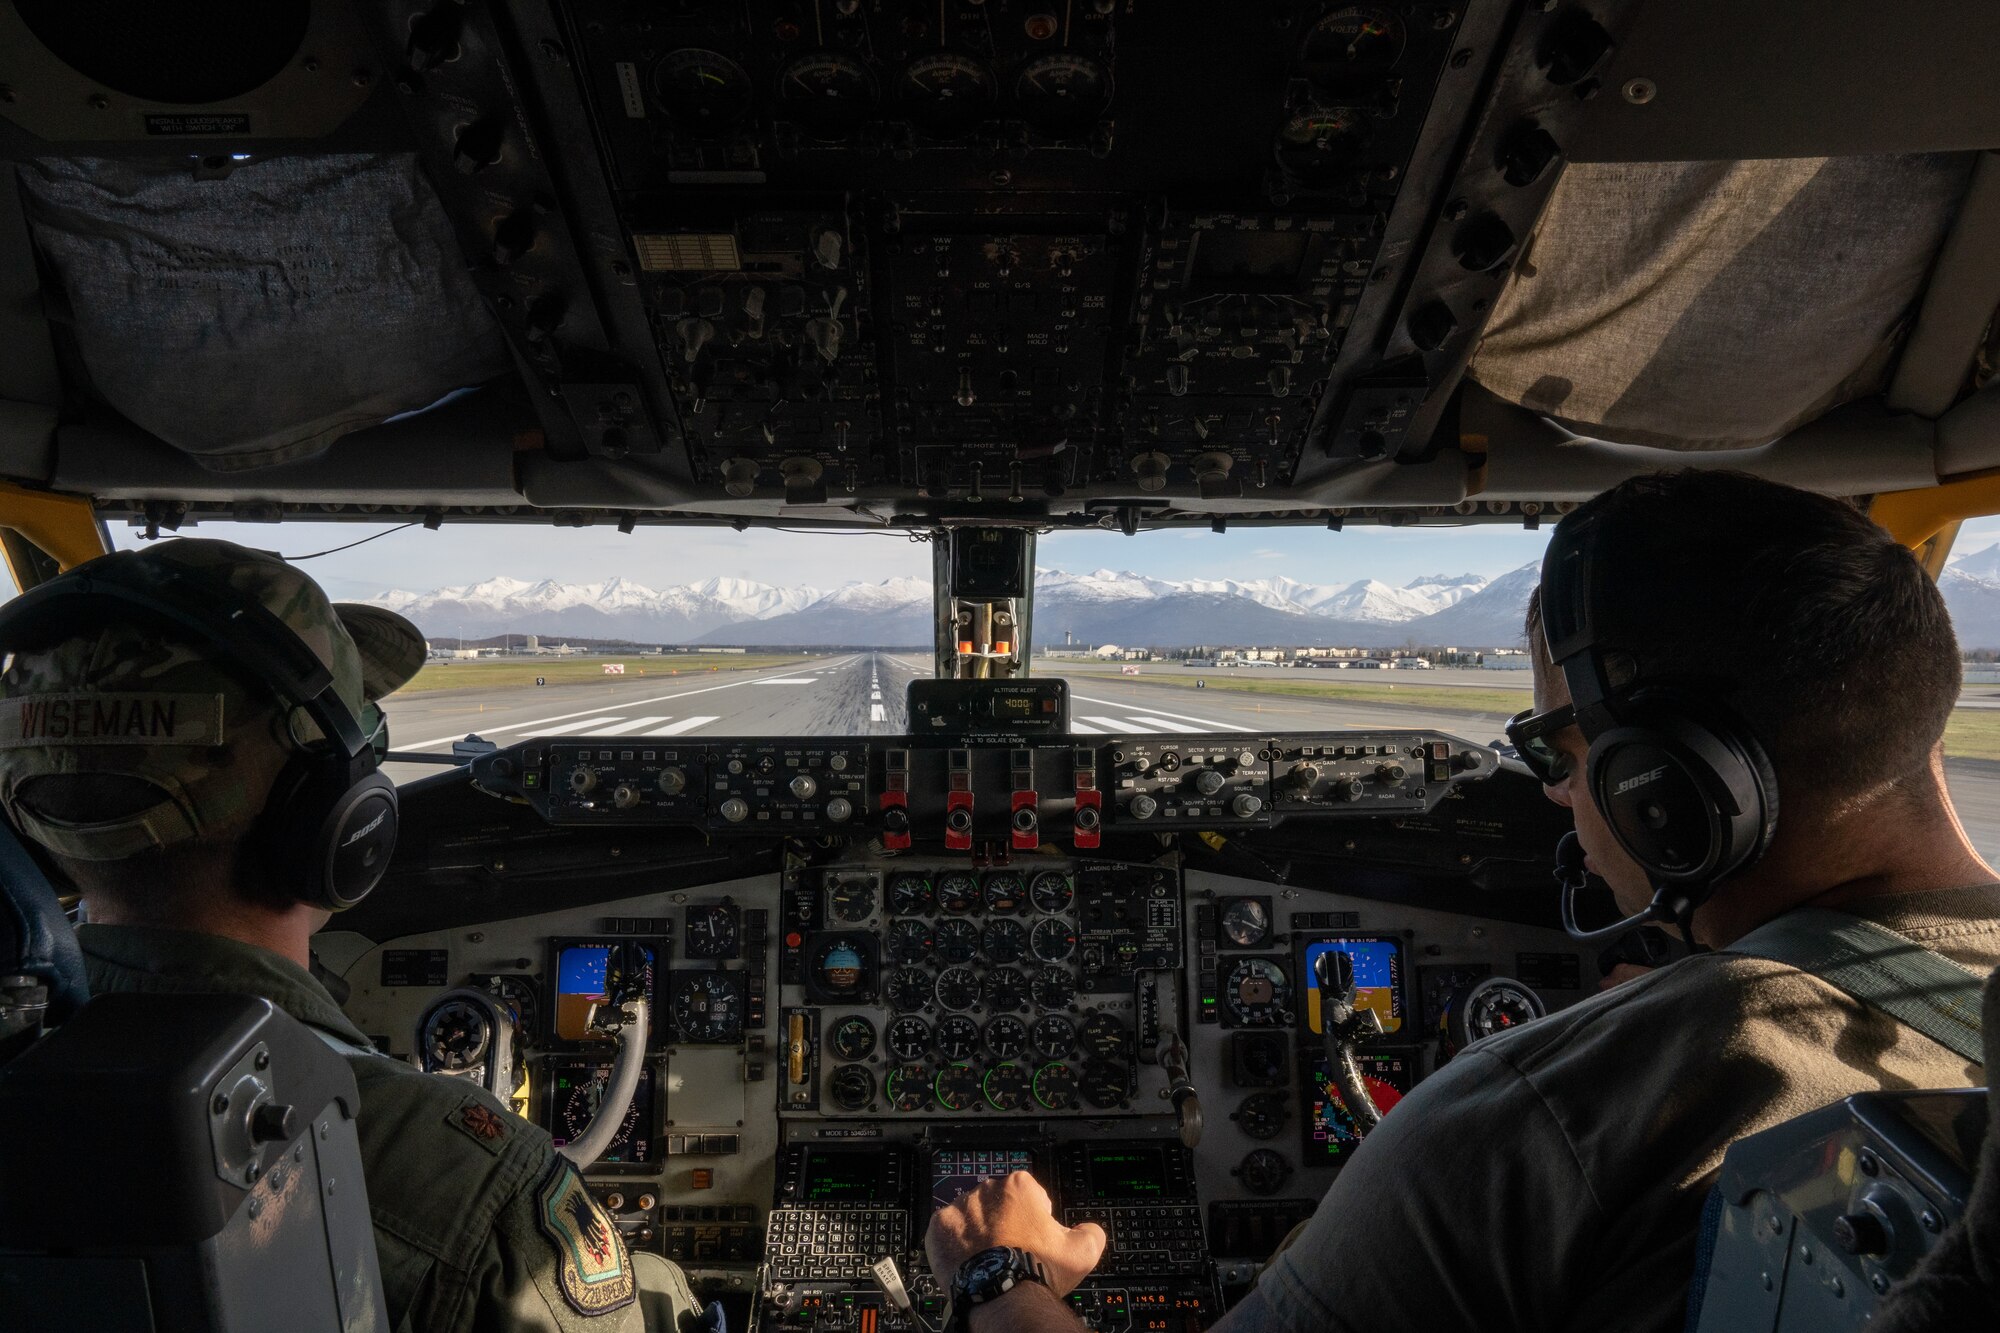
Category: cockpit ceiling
[515,287]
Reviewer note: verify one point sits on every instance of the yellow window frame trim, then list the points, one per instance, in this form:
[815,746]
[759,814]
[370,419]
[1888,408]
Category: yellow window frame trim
[65,527]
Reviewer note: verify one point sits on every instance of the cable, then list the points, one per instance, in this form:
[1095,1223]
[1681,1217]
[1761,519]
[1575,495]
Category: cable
[331,550]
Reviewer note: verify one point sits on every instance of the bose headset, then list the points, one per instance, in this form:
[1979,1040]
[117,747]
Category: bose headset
[330,825]
[1687,789]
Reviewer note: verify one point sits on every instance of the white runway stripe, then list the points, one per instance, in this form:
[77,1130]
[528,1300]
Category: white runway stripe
[685,724]
[587,724]
[1146,722]
[875,713]
[786,680]
[1200,722]
[1111,725]
[634,723]
[1082,730]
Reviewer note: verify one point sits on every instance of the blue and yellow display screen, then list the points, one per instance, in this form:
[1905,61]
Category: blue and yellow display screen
[1378,977]
[583,981]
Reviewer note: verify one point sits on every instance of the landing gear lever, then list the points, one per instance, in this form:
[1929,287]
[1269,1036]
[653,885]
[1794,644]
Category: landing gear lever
[1343,1026]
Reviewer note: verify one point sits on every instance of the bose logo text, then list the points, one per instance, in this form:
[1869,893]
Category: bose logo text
[1640,781]
[365,829]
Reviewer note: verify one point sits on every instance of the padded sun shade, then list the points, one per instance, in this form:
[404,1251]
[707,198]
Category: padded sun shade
[1717,305]
[258,318]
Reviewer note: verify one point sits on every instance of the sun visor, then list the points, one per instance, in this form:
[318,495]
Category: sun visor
[1717,305]
[257,318]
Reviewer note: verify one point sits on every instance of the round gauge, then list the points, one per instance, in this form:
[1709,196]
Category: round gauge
[852,899]
[853,1038]
[957,1087]
[1055,1086]
[957,1037]
[1316,143]
[1006,1087]
[1256,993]
[852,1087]
[909,1087]
[714,931]
[1005,893]
[909,941]
[1054,988]
[1262,1115]
[707,1007]
[912,895]
[947,93]
[1003,941]
[956,940]
[1050,892]
[1005,988]
[1062,94]
[1104,1084]
[457,1034]
[705,92]
[1006,1036]
[1353,44]
[580,1105]
[1103,1037]
[909,989]
[958,893]
[1053,940]
[909,1039]
[1246,923]
[957,988]
[829,93]
[1054,1037]
[1495,1005]
[839,966]
[1263,1171]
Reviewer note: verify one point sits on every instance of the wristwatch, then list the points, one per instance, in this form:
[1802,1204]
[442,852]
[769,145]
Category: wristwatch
[993,1273]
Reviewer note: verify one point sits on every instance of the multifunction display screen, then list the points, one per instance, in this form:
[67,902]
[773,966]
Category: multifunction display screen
[577,1089]
[955,1171]
[1127,1173]
[585,973]
[1378,977]
[1330,1132]
[844,1177]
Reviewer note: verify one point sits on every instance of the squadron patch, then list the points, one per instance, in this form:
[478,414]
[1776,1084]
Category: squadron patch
[592,1267]
[480,1123]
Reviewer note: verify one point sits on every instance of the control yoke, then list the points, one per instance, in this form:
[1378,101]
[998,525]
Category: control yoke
[1343,1026]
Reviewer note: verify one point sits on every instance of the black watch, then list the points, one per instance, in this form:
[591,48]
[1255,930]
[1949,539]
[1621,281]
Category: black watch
[993,1273]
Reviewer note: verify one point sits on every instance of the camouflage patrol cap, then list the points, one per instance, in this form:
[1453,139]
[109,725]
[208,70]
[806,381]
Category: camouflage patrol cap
[113,693]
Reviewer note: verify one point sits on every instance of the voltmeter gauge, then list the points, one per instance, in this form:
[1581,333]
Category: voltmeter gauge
[1319,143]
[705,92]
[909,1039]
[1006,1036]
[1062,94]
[1352,45]
[1050,892]
[958,893]
[1256,993]
[457,1036]
[947,93]
[1054,1037]
[853,1038]
[1493,1006]
[912,895]
[957,1038]
[852,1087]
[1246,922]
[828,93]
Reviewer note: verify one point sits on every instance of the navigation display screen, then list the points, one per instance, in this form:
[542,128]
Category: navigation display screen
[577,1088]
[844,1177]
[1330,1134]
[583,977]
[1127,1173]
[955,1171]
[1378,977]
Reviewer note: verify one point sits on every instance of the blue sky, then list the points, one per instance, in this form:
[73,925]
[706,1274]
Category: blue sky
[418,560]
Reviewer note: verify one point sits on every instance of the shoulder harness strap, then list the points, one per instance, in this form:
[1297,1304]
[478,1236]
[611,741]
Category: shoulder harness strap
[1916,986]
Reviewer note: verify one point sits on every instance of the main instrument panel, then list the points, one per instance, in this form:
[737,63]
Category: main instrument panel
[951,975]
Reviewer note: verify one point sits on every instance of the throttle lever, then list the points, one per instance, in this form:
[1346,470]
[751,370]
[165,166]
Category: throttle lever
[1343,1026]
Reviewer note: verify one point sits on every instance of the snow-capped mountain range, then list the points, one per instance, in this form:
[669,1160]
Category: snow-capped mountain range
[1102,606]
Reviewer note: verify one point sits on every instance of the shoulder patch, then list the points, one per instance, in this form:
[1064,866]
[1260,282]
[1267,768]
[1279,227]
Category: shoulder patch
[480,1123]
[592,1266]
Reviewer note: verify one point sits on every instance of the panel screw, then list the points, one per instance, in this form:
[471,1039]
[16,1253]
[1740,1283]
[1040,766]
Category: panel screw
[263,1059]
[98,102]
[1461,57]
[1869,1166]
[1930,1219]
[1640,91]
[1880,1282]
[311,64]
[221,1103]
[1456,210]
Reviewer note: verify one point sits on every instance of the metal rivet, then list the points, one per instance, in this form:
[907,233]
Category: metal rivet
[1640,91]
[1931,1221]
[1766,1278]
[1869,1166]
[99,102]
[251,1172]
[1805,1254]
[312,64]
[221,1104]
[1461,57]
[1880,1282]
[256,1206]
[1836,1286]
[263,1059]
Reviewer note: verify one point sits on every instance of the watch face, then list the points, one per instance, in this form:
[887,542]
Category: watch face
[984,1275]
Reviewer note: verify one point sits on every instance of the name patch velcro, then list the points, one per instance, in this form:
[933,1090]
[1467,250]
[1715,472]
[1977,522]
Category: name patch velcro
[111,719]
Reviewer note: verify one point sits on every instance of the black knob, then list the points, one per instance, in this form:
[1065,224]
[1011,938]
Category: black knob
[959,820]
[895,820]
[272,1123]
[1861,1233]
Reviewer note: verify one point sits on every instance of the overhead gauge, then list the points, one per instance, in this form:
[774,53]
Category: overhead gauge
[1055,1087]
[1104,1084]
[909,1087]
[1061,94]
[829,93]
[1103,1037]
[714,931]
[957,1037]
[1054,1037]
[909,1039]
[852,1087]
[956,1086]
[1353,46]
[912,895]
[946,93]
[958,893]
[456,1037]
[1005,988]
[708,1007]
[909,941]
[1003,941]
[908,989]
[704,92]
[851,897]
[1053,940]
[956,940]
[1493,1006]
[853,1038]
[1246,922]
[1050,892]
[1006,1087]
[1256,993]
[1006,1036]
[1005,893]
[957,988]
[1054,988]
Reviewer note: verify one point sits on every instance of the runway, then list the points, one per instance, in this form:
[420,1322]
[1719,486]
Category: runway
[862,694]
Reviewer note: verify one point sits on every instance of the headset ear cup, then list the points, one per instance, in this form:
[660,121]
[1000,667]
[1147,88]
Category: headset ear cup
[328,837]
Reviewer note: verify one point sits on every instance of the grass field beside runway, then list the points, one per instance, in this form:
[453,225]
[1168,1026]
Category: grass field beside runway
[520,672]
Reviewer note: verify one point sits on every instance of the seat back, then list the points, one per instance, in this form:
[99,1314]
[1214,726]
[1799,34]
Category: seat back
[41,968]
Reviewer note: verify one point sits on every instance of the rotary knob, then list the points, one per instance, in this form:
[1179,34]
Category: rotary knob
[583,780]
[673,781]
[839,809]
[803,787]
[1245,805]
[1208,782]
[1302,776]
[625,796]
[1143,806]
[838,763]
[1245,758]
[1390,774]
[735,810]
[1349,789]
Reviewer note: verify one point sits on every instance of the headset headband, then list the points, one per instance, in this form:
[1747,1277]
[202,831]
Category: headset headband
[1569,590]
[252,639]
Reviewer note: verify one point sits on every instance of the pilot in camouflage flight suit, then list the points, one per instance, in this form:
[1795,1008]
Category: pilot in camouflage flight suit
[142,765]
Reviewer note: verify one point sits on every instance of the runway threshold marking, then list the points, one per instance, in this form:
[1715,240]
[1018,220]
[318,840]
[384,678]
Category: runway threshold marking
[1203,723]
[685,724]
[586,724]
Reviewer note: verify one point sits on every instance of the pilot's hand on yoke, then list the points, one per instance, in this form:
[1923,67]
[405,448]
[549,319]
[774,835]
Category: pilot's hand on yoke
[1014,1210]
